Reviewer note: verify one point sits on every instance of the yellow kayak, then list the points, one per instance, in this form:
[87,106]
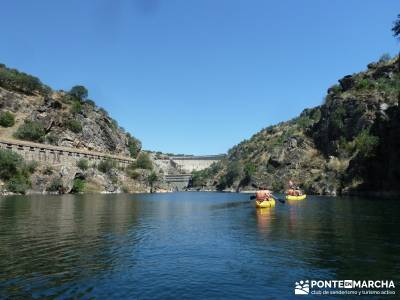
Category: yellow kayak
[302,197]
[268,203]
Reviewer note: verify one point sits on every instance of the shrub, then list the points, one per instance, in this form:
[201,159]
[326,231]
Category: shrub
[389,85]
[90,103]
[82,164]
[106,166]
[19,183]
[10,163]
[221,185]
[74,125]
[103,111]
[125,189]
[134,146]
[143,162]
[336,88]
[15,171]
[30,131]
[56,185]
[78,186]
[113,124]
[132,173]
[76,107]
[79,92]
[365,143]
[198,178]
[304,122]
[52,138]
[234,170]
[336,120]
[364,84]
[151,179]
[7,119]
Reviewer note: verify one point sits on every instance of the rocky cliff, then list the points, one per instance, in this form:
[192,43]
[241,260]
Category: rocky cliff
[349,144]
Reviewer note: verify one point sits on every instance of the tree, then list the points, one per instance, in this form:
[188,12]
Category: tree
[134,146]
[79,92]
[151,179]
[396,27]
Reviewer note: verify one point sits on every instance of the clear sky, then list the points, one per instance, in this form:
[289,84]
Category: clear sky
[196,76]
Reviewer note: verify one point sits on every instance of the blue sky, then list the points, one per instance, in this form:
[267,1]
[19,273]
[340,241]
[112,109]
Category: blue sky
[196,76]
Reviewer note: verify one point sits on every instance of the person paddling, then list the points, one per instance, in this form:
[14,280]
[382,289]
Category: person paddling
[293,190]
[263,194]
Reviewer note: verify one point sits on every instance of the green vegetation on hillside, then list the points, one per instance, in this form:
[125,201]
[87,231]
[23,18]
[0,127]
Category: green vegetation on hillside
[74,125]
[143,161]
[105,166]
[83,164]
[79,92]
[152,179]
[7,119]
[30,131]
[134,146]
[78,186]
[201,178]
[15,171]
[12,79]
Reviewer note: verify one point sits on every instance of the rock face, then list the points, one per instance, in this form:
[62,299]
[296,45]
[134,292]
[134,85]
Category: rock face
[98,131]
[350,144]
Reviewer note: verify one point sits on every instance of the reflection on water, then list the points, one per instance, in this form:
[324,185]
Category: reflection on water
[189,245]
[264,218]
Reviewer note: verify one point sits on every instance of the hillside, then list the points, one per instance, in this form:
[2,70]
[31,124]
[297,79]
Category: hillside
[349,144]
[32,111]
[60,118]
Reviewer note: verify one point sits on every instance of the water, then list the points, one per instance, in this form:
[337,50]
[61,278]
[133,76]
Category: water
[190,245]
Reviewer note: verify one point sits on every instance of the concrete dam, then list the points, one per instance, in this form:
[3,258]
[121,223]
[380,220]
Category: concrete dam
[178,169]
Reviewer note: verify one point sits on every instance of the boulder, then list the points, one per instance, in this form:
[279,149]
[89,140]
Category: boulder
[347,82]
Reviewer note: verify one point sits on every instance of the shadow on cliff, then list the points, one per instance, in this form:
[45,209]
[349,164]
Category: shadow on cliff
[381,170]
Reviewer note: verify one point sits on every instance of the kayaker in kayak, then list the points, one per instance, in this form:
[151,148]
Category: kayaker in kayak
[263,194]
[293,190]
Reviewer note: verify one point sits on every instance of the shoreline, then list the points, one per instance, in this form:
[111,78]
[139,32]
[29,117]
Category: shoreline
[389,195]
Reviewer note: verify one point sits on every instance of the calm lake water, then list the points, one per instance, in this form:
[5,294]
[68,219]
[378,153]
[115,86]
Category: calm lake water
[190,245]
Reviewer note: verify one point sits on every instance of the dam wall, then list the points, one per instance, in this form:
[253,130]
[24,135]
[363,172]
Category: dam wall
[188,164]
